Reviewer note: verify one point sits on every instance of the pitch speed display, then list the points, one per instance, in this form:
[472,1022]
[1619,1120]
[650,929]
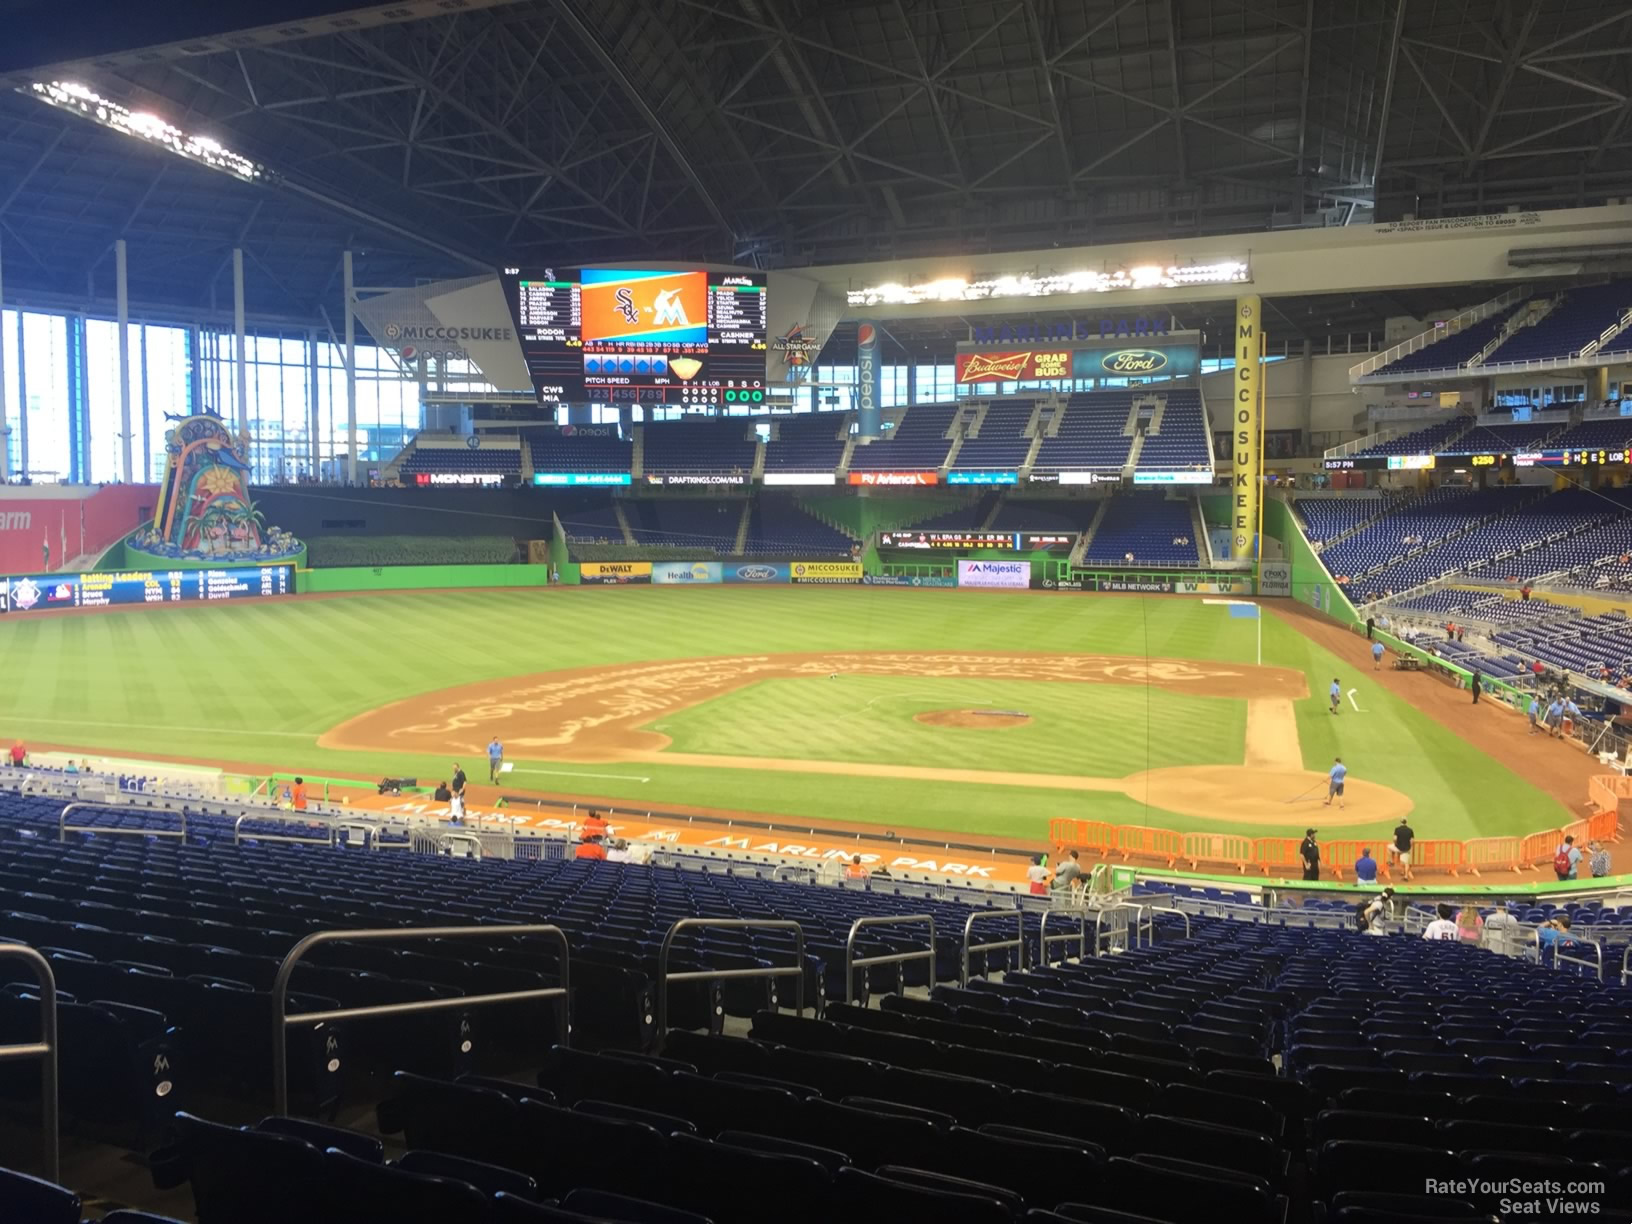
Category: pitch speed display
[52,592]
[621,335]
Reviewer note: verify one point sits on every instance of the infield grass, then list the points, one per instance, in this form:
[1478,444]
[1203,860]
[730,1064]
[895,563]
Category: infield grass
[258,683]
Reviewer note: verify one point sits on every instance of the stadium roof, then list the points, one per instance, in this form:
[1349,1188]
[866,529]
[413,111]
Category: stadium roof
[440,136]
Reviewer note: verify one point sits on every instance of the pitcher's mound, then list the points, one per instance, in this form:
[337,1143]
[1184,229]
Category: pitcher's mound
[977,720]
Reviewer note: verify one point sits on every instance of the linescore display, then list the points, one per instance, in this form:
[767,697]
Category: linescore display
[683,336]
[52,592]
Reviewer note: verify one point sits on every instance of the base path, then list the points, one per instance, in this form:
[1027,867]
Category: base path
[597,715]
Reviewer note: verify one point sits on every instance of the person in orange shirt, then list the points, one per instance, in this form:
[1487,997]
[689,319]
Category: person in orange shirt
[18,755]
[298,795]
[590,850]
[853,870]
[595,826]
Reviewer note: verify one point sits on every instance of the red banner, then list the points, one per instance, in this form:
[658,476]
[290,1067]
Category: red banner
[72,522]
[1013,367]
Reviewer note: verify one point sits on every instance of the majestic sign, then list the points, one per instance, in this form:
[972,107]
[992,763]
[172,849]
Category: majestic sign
[1246,427]
[1014,575]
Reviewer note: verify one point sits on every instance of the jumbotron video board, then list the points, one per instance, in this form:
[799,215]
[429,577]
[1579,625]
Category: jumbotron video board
[632,336]
[57,592]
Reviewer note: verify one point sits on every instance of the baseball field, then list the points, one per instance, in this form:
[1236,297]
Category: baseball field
[974,712]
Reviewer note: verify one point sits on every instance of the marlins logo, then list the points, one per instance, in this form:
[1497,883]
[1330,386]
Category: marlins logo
[1007,368]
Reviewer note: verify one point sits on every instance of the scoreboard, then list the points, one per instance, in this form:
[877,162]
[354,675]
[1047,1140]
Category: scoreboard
[1008,541]
[1486,459]
[631,336]
[53,592]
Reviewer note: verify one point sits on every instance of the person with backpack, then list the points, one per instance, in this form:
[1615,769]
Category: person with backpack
[1567,859]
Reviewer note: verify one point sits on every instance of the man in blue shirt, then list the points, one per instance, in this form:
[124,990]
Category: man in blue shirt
[1555,717]
[1336,694]
[1533,713]
[1365,868]
[1334,785]
[495,758]
[1376,656]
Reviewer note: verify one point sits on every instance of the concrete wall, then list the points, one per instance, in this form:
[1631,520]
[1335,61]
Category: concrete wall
[1309,393]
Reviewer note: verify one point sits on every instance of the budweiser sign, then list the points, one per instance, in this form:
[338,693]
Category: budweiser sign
[1013,367]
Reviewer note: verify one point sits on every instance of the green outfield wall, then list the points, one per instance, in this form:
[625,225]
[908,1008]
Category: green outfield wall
[421,578]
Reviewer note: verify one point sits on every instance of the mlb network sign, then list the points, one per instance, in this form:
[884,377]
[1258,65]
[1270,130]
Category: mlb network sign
[1015,575]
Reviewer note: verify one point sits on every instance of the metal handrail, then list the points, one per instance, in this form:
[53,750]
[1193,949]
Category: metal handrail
[1081,937]
[1626,965]
[64,828]
[1019,941]
[371,831]
[280,989]
[1169,909]
[851,964]
[45,1049]
[286,818]
[664,977]
[1144,926]
[1119,927]
[1560,956]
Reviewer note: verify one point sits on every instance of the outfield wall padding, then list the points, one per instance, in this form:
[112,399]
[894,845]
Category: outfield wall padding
[1312,583]
[421,578]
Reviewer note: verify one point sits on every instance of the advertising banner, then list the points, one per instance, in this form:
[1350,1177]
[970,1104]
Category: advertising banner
[1010,574]
[901,580]
[615,573]
[1246,423]
[581,478]
[869,381]
[800,478]
[685,573]
[53,592]
[894,478]
[757,573]
[697,478]
[1198,476]
[1125,360]
[983,478]
[825,571]
[1275,578]
[1151,587]
[1022,365]
[1221,586]
[54,523]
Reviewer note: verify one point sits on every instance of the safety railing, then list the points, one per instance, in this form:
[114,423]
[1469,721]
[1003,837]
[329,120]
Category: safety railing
[64,828]
[281,1023]
[1019,940]
[370,834]
[1626,966]
[796,971]
[1153,910]
[1111,930]
[1045,941]
[323,838]
[1584,956]
[852,963]
[45,1049]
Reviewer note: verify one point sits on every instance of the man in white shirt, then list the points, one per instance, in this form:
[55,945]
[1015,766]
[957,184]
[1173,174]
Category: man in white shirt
[1442,927]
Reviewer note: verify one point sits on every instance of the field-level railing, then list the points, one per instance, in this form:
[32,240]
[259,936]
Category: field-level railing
[1582,956]
[1018,917]
[44,1050]
[1111,926]
[319,832]
[282,1022]
[852,962]
[796,970]
[1153,910]
[64,828]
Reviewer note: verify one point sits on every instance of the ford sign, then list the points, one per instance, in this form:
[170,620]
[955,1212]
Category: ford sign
[1133,361]
[756,573]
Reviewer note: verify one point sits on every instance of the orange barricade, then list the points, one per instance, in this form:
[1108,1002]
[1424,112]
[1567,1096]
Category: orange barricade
[1151,843]
[1494,853]
[1437,856]
[1340,856]
[1606,826]
[1606,791]
[1218,848]
[1281,852]
[1539,848]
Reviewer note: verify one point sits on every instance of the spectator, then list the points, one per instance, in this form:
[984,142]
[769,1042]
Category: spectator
[1365,868]
[297,797]
[1309,853]
[19,754]
[1524,592]
[1469,925]
[1037,875]
[1442,927]
[456,807]
[1536,668]
[595,827]
[495,758]
[591,848]
[1371,913]
[1400,848]
[1555,933]
[1567,859]
[1477,684]
[1598,863]
[70,768]
[457,784]
[854,869]
[1128,557]
[1068,872]
[1461,631]
[442,793]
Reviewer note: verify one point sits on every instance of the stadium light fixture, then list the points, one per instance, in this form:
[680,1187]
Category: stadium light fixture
[1026,284]
[142,125]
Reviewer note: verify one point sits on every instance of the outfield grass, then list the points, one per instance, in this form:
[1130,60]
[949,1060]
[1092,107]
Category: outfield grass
[258,683]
